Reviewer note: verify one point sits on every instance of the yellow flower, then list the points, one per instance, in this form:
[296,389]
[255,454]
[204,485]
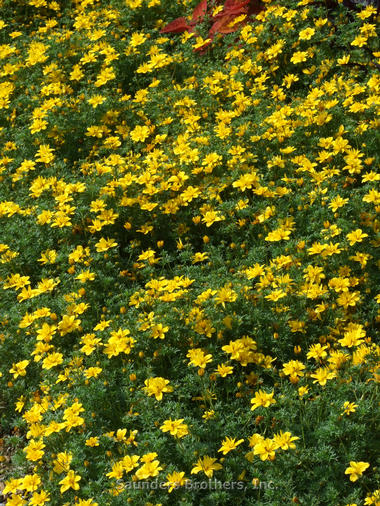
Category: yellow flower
[48,257]
[175,480]
[92,372]
[200,42]
[19,369]
[140,133]
[76,74]
[105,244]
[344,60]
[199,257]
[336,203]
[223,370]
[349,407]
[284,440]
[278,235]
[156,386]
[303,391]
[253,272]
[70,481]
[92,441]
[373,498]
[359,41]
[298,57]
[207,465]
[85,276]
[45,154]
[137,39]
[225,294]
[306,34]
[117,471]
[208,415]
[276,295]
[130,462]
[229,444]
[262,399]
[175,427]
[356,236]
[265,449]
[317,352]
[353,335]
[96,100]
[105,75]
[148,469]
[246,181]
[102,325]
[71,416]
[36,53]
[321,375]
[52,360]
[38,125]
[12,486]
[198,358]
[339,284]
[34,451]
[356,469]
[39,498]
[293,369]
[211,217]
[347,299]
[62,462]
[68,324]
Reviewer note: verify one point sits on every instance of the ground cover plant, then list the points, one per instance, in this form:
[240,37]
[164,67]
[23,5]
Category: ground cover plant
[189,267]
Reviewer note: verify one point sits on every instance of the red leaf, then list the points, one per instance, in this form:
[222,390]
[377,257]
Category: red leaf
[199,12]
[228,4]
[231,7]
[255,7]
[177,26]
[221,25]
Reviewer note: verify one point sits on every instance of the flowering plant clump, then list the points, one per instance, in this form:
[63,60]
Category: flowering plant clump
[189,254]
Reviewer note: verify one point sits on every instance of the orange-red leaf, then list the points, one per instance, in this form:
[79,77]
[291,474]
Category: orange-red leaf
[236,8]
[228,4]
[222,22]
[221,25]
[255,7]
[199,12]
[177,26]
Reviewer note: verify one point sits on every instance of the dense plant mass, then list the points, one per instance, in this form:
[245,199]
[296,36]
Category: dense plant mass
[189,267]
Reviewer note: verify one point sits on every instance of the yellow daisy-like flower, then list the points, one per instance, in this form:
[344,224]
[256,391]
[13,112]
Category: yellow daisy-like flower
[349,407]
[321,375]
[299,57]
[356,469]
[175,480]
[262,399]
[207,465]
[356,236]
[70,481]
[175,427]
[306,34]
[139,133]
[157,386]
[229,444]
